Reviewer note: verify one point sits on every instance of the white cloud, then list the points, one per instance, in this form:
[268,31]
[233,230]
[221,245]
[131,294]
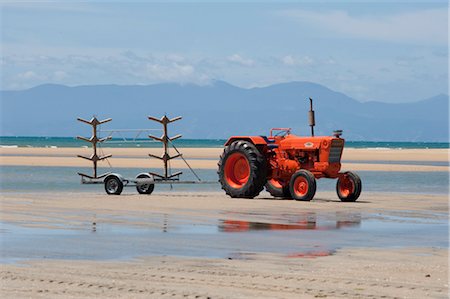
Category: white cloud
[126,67]
[330,61]
[175,58]
[171,72]
[288,60]
[297,61]
[59,75]
[29,75]
[236,58]
[418,26]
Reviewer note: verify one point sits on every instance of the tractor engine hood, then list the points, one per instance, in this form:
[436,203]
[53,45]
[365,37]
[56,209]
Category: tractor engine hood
[305,143]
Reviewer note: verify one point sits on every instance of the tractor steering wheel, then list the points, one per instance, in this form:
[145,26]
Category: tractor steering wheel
[281,133]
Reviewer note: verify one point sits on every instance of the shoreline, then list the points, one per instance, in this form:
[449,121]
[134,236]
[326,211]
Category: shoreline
[207,158]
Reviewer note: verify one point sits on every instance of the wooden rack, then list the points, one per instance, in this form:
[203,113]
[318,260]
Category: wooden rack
[165,139]
[94,122]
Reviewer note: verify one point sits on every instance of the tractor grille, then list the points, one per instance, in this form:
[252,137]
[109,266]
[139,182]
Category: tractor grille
[336,150]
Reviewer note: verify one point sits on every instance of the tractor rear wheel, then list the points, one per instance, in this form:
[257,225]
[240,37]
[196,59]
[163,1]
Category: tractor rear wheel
[276,189]
[242,170]
[303,185]
[349,186]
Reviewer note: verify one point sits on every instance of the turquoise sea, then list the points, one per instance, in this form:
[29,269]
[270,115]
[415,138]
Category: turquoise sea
[117,142]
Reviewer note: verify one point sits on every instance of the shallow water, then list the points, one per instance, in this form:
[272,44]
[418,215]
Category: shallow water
[308,235]
[45,179]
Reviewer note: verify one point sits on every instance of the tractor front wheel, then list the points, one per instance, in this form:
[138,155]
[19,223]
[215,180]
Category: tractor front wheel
[276,189]
[348,186]
[242,170]
[303,185]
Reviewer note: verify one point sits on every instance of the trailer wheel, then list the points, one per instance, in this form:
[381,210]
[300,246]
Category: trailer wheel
[145,188]
[277,190]
[113,185]
[303,185]
[242,170]
[348,187]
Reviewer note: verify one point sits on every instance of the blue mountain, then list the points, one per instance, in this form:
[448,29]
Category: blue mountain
[220,110]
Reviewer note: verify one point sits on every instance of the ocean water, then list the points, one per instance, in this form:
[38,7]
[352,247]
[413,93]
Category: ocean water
[59,179]
[117,142]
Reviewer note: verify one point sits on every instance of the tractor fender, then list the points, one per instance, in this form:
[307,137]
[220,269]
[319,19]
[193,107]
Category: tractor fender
[256,140]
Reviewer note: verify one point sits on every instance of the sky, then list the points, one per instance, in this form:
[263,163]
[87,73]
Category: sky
[370,50]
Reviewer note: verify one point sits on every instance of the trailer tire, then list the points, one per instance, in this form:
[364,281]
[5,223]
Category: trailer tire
[303,185]
[348,187]
[145,188]
[277,190]
[242,170]
[113,185]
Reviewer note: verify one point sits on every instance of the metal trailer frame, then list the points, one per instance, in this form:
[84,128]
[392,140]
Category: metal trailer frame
[144,181]
[115,182]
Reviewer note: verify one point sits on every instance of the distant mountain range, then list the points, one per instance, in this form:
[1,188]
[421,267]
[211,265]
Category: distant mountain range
[220,110]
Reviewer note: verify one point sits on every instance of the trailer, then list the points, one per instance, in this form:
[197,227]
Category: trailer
[145,181]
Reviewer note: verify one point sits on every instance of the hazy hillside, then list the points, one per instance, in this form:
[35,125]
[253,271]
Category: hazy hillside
[220,110]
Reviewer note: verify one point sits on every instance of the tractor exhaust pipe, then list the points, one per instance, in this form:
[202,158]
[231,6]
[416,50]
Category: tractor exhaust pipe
[312,121]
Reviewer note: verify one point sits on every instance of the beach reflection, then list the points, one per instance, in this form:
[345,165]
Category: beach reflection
[307,221]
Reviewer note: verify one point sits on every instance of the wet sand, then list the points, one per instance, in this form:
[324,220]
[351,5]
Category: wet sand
[357,271]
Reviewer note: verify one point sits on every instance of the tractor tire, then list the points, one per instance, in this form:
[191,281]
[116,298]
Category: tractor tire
[146,188]
[242,170]
[277,190]
[303,185]
[348,187]
[113,185]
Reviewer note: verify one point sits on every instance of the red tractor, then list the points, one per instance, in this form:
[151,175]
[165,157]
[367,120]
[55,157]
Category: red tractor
[285,164]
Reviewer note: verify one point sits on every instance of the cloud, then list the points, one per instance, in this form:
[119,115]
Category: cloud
[236,58]
[30,75]
[330,60]
[175,57]
[441,53]
[59,75]
[422,26]
[172,72]
[408,61]
[296,61]
[126,67]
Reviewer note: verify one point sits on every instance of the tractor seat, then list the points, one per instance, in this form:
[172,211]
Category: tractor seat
[270,142]
[267,139]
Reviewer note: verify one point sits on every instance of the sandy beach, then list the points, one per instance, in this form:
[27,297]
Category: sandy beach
[218,247]
[359,272]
